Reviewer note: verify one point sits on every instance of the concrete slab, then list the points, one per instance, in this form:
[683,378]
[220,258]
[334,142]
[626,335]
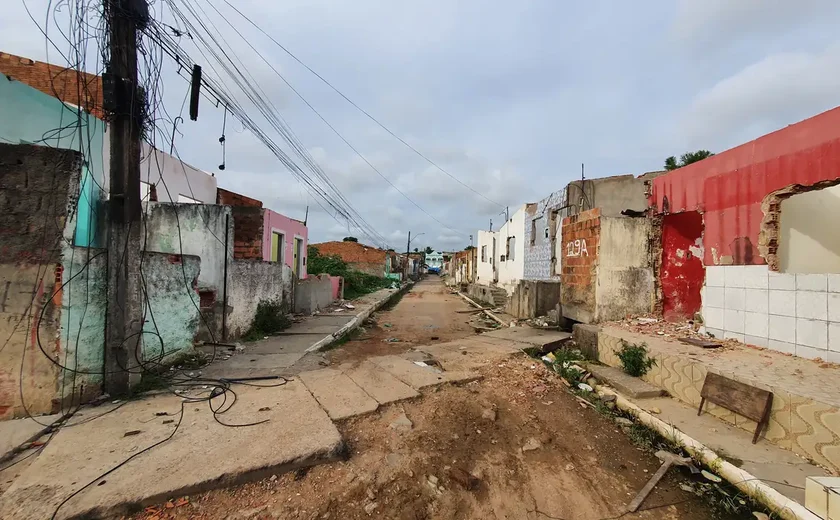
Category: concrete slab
[764,460]
[419,377]
[247,364]
[15,432]
[380,384]
[626,384]
[338,394]
[534,337]
[202,454]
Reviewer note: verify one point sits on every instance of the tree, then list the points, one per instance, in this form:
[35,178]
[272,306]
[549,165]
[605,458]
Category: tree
[429,250]
[686,159]
[416,250]
[350,239]
[469,248]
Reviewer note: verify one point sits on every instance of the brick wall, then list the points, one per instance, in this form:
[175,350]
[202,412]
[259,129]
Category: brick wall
[247,232]
[230,198]
[69,85]
[581,235]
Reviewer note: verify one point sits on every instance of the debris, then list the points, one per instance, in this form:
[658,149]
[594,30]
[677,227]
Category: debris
[131,433]
[655,410]
[402,422]
[465,479]
[370,494]
[647,321]
[621,421]
[387,325]
[489,414]
[168,421]
[264,409]
[349,306]
[760,516]
[584,403]
[182,501]
[608,398]
[391,340]
[433,479]
[273,478]
[435,338]
[697,342]
[710,476]
[668,459]
[370,507]
[569,467]
[531,444]
[239,347]
[585,387]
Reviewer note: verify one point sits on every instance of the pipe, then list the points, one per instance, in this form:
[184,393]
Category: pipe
[224,283]
[746,482]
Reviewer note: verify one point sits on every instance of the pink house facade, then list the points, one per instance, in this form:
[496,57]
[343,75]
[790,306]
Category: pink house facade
[285,240]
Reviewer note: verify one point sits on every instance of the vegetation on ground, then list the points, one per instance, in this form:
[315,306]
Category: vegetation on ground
[356,283]
[271,317]
[634,359]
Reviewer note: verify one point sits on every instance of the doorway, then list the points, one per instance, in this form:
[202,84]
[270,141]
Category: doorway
[682,272]
[297,265]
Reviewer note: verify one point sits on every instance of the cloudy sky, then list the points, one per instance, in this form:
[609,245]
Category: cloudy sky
[509,97]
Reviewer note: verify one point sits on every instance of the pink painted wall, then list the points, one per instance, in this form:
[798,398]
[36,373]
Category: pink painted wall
[336,287]
[275,222]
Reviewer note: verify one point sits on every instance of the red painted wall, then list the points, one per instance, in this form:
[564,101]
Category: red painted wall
[729,187]
[681,273]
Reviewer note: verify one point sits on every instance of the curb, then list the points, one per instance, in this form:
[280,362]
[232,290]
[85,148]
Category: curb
[356,321]
[746,482]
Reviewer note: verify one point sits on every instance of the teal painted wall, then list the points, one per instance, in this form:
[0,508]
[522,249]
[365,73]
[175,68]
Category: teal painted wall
[28,115]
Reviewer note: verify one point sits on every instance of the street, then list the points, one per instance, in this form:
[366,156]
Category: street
[513,444]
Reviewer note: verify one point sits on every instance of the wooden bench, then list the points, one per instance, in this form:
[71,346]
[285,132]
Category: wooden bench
[741,398]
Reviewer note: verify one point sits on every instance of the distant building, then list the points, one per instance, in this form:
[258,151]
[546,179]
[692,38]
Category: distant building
[434,261]
[364,258]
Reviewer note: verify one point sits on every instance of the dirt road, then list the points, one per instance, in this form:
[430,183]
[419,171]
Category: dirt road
[514,445]
[424,315]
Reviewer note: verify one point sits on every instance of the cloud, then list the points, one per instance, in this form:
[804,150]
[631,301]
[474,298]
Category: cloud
[778,90]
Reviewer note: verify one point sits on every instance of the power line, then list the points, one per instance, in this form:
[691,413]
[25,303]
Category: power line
[362,110]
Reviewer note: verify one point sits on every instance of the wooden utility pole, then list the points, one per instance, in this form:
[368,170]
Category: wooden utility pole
[123,338]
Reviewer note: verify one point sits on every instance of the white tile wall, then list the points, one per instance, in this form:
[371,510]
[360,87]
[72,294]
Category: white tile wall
[755,324]
[812,333]
[734,298]
[757,300]
[782,328]
[793,313]
[834,337]
[782,303]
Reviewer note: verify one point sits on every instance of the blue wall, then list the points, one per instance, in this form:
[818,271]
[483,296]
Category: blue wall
[28,115]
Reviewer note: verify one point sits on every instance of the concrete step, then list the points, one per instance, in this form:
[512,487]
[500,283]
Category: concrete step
[338,394]
[626,384]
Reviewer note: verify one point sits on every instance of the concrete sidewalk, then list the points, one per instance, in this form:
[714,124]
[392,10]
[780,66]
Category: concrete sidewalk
[279,355]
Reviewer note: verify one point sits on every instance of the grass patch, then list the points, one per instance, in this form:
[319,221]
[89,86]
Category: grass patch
[356,283]
[634,359]
[270,318]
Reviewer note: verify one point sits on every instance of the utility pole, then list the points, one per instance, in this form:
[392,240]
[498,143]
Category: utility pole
[124,326]
[407,251]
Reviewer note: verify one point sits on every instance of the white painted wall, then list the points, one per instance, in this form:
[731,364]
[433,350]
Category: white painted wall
[512,270]
[484,271]
[808,242]
[795,313]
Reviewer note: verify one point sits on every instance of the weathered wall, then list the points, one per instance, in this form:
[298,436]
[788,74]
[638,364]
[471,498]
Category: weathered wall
[30,116]
[806,243]
[681,272]
[486,258]
[173,178]
[512,270]
[291,229]
[248,232]
[315,293]
[540,238]
[533,298]
[193,229]
[625,280]
[611,195]
[253,281]
[729,187]
[39,189]
[580,238]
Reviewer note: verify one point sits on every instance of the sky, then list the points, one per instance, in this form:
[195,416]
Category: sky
[509,97]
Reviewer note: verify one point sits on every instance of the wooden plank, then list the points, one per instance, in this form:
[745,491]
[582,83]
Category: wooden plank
[743,399]
[697,342]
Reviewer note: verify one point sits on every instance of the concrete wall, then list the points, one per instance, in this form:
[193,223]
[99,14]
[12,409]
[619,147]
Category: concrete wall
[486,260]
[290,229]
[315,293]
[173,179]
[193,229]
[513,231]
[540,235]
[625,284]
[253,281]
[611,195]
[30,116]
[533,298]
[807,243]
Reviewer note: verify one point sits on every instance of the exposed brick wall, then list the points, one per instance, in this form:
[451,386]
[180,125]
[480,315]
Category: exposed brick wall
[581,235]
[69,85]
[247,232]
[230,198]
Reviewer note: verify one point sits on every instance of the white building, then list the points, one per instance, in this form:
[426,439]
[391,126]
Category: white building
[486,245]
[510,252]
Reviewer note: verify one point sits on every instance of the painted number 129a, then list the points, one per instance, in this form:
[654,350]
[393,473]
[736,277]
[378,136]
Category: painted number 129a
[576,248]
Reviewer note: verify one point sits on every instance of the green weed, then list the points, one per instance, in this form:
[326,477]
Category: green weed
[270,318]
[634,359]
